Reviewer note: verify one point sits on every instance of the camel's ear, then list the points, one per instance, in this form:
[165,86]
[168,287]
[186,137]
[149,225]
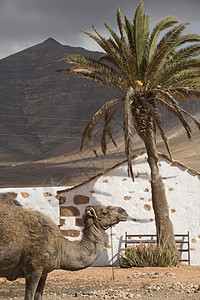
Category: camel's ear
[91,212]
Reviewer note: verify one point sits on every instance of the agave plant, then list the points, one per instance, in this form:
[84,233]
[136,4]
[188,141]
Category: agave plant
[150,255]
[150,69]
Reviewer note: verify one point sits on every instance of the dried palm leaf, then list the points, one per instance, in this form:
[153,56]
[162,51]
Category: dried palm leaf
[87,133]
[179,114]
[172,110]
[107,130]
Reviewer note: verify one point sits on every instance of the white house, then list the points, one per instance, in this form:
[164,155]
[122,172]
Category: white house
[113,187]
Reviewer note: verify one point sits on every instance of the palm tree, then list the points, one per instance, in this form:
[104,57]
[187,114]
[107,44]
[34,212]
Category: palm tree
[149,73]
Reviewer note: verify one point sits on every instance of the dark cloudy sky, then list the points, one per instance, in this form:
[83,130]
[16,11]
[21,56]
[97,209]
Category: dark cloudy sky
[24,23]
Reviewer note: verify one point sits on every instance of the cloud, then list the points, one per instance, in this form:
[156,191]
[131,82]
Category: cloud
[27,22]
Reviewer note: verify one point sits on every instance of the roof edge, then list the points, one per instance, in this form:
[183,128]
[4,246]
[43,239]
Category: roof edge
[173,162]
[176,162]
[100,174]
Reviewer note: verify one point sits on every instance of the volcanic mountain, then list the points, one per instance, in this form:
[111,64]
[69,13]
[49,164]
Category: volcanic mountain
[42,109]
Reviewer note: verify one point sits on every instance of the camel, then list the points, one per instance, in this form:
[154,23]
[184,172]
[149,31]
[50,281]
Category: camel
[31,244]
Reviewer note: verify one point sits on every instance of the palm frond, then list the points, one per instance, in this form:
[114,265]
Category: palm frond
[182,75]
[158,28]
[168,71]
[95,71]
[96,39]
[107,130]
[188,83]
[146,28]
[165,139]
[187,79]
[114,45]
[192,117]
[179,96]
[128,27]
[139,35]
[189,93]
[162,51]
[127,54]
[177,109]
[187,38]
[146,32]
[172,36]
[154,65]
[107,58]
[186,52]
[108,47]
[120,23]
[129,51]
[171,109]
[119,54]
[128,129]
[87,133]
[117,83]
[114,35]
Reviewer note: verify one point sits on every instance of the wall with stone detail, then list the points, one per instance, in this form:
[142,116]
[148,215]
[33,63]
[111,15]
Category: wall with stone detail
[115,188]
[43,199]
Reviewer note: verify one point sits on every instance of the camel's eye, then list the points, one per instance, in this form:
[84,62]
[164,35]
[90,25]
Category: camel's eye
[104,212]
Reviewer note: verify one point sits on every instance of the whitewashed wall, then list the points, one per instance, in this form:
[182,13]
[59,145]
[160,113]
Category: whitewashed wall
[115,188]
[42,199]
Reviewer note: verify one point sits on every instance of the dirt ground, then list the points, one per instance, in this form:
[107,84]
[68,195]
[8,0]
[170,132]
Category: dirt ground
[179,283]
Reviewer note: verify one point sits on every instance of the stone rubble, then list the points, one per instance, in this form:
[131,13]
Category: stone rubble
[178,287]
[110,294]
[124,293]
[152,275]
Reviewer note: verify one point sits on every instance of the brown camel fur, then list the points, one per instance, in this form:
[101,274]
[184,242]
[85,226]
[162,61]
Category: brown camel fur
[31,244]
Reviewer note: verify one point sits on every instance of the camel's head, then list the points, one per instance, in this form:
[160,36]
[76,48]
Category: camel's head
[104,217]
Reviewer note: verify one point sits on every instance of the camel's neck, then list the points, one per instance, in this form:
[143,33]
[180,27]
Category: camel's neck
[82,254]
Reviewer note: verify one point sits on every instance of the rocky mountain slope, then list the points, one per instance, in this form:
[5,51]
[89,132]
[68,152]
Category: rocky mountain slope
[42,109]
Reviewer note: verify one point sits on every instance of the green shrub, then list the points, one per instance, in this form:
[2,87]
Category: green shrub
[150,255]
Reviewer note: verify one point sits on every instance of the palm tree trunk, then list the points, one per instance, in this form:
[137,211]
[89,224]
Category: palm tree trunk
[165,233]
[146,129]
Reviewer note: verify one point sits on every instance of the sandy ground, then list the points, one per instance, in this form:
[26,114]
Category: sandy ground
[181,283]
